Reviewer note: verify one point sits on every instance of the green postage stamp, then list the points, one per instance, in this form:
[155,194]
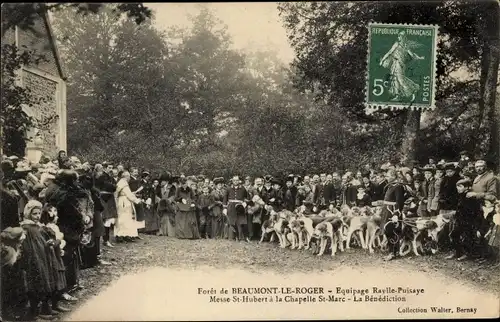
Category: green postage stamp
[401,66]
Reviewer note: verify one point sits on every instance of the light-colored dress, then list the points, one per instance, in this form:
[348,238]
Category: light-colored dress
[125,226]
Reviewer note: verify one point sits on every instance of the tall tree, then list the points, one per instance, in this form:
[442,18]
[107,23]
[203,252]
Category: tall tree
[330,42]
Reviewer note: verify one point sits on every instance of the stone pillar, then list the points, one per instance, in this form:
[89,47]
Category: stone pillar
[34,149]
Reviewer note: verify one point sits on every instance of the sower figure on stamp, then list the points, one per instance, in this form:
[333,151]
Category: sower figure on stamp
[396,60]
[392,213]
[235,201]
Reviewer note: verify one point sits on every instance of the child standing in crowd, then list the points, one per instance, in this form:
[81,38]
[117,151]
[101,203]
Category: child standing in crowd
[40,278]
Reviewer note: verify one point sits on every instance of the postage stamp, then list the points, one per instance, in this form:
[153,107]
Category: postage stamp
[401,66]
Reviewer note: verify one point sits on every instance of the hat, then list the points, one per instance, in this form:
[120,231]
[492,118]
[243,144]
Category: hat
[174,179]
[145,174]
[30,206]
[464,182]
[22,166]
[191,178]
[13,158]
[276,181]
[218,180]
[200,177]
[290,177]
[11,236]
[268,178]
[450,166]
[165,177]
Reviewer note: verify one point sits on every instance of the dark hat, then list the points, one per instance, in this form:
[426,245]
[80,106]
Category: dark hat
[290,177]
[450,166]
[268,178]
[418,178]
[165,177]
[276,181]
[464,182]
[145,174]
[428,167]
[218,180]
[67,175]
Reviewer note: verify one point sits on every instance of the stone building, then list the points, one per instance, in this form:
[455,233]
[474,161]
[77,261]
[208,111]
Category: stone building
[47,84]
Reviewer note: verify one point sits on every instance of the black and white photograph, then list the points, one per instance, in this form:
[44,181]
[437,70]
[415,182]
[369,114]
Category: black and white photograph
[210,161]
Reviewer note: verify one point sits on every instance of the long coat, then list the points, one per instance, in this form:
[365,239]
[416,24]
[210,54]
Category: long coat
[235,193]
[107,186]
[448,194]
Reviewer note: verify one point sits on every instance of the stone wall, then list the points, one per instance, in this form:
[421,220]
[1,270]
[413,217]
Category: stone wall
[44,93]
[38,39]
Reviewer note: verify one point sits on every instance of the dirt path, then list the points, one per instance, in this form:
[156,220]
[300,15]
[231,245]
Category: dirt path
[158,279]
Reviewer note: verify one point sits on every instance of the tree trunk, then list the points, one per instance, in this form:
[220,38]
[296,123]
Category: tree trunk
[410,136]
[491,90]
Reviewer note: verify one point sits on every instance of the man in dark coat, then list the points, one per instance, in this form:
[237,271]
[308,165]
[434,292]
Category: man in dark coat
[448,194]
[106,186]
[235,201]
[465,223]
[64,194]
[290,193]
[137,186]
[392,212]
[379,187]
[328,193]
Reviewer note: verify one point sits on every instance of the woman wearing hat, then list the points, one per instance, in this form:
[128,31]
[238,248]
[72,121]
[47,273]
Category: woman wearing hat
[64,194]
[166,205]
[218,218]
[186,225]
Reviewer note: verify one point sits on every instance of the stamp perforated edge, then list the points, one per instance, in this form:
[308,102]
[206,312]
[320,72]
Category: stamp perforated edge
[392,106]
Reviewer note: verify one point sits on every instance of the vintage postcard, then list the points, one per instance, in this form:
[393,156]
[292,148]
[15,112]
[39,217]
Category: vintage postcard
[250,161]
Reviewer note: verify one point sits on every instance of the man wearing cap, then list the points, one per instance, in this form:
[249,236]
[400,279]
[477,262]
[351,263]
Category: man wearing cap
[391,212]
[235,202]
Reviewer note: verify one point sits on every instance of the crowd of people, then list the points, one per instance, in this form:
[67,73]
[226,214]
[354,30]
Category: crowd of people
[56,214]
